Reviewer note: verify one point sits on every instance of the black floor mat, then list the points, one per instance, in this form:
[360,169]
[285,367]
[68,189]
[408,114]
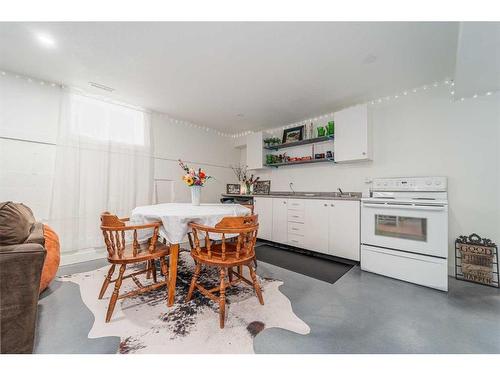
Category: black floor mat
[312,266]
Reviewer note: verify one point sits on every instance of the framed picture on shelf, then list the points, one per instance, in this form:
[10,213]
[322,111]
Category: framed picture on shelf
[293,134]
[233,188]
[262,187]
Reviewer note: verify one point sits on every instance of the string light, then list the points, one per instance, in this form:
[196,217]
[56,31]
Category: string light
[406,93]
[29,79]
[203,127]
[447,82]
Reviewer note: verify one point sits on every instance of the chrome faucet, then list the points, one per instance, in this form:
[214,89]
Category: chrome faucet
[291,187]
[340,191]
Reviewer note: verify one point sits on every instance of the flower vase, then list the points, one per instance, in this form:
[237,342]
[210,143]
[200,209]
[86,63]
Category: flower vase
[195,195]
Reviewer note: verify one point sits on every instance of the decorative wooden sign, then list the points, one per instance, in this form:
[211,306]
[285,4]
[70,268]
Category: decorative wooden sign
[476,260]
[262,187]
[233,188]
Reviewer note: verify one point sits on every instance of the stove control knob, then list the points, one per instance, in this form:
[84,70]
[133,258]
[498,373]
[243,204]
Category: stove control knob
[437,183]
[428,182]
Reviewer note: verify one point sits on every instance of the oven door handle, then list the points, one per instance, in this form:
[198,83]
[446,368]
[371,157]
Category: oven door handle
[406,206]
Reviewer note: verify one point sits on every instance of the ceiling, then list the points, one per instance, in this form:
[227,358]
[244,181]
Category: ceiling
[478,59]
[236,76]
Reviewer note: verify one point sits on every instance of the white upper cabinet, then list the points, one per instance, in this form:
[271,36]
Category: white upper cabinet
[352,134]
[255,153]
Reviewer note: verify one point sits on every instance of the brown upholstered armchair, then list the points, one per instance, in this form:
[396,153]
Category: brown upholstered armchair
[22,255]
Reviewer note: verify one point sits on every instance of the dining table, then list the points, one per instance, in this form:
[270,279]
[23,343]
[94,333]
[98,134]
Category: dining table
[175,218]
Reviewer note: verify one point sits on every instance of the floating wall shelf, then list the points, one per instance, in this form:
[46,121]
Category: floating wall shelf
[300,143]
[312,161]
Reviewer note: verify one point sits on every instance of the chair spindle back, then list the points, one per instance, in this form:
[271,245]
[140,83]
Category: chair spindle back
[244,227]
[113,230]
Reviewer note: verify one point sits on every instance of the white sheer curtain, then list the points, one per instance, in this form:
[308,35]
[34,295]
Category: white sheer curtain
[103,163]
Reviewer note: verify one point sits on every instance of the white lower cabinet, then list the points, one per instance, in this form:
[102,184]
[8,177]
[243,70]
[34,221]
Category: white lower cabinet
[263,207]
[344,229]
[280,219]
[332,227]
[316,214]
[324,226]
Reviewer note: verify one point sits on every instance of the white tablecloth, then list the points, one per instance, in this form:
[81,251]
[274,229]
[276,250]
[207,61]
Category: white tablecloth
[176,217]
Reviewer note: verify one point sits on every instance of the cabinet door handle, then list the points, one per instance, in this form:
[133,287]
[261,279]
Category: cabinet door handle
[364,153]
[295,241]
[295,228]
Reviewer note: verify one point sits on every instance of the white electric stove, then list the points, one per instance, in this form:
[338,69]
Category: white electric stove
[404,230]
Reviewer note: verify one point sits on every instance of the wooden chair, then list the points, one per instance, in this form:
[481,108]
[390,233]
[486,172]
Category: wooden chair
[120,253]
[225,254]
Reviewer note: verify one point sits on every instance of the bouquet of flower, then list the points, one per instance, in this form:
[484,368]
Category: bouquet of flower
[241,173]
[193,177]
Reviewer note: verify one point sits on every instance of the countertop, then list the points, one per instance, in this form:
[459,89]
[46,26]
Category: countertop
[354,196]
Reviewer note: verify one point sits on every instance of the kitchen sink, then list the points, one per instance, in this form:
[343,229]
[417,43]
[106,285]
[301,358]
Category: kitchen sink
[345,195]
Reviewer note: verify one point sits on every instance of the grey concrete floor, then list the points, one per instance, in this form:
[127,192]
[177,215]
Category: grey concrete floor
[360,313]
[64,321]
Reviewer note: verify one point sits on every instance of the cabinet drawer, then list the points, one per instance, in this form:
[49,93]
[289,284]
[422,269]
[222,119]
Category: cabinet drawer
[296,204]
[296,216]
[296,228]
[295,240]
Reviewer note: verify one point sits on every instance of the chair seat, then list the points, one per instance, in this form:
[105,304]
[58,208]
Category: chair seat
[143,253]
[216,255]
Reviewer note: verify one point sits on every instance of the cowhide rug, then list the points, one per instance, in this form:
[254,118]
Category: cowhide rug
[146,325]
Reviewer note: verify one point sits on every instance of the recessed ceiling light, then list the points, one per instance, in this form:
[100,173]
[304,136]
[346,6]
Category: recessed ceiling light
[240,115]
[45,40]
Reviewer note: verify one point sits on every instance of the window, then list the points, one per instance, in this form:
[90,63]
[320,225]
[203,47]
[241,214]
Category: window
[409,228]
[106,122]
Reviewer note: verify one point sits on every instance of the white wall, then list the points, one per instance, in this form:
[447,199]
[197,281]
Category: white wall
[28,111]
[199,149]
[425,134]
[29,115]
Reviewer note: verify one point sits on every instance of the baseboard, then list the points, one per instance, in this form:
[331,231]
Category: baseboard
[82,256]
